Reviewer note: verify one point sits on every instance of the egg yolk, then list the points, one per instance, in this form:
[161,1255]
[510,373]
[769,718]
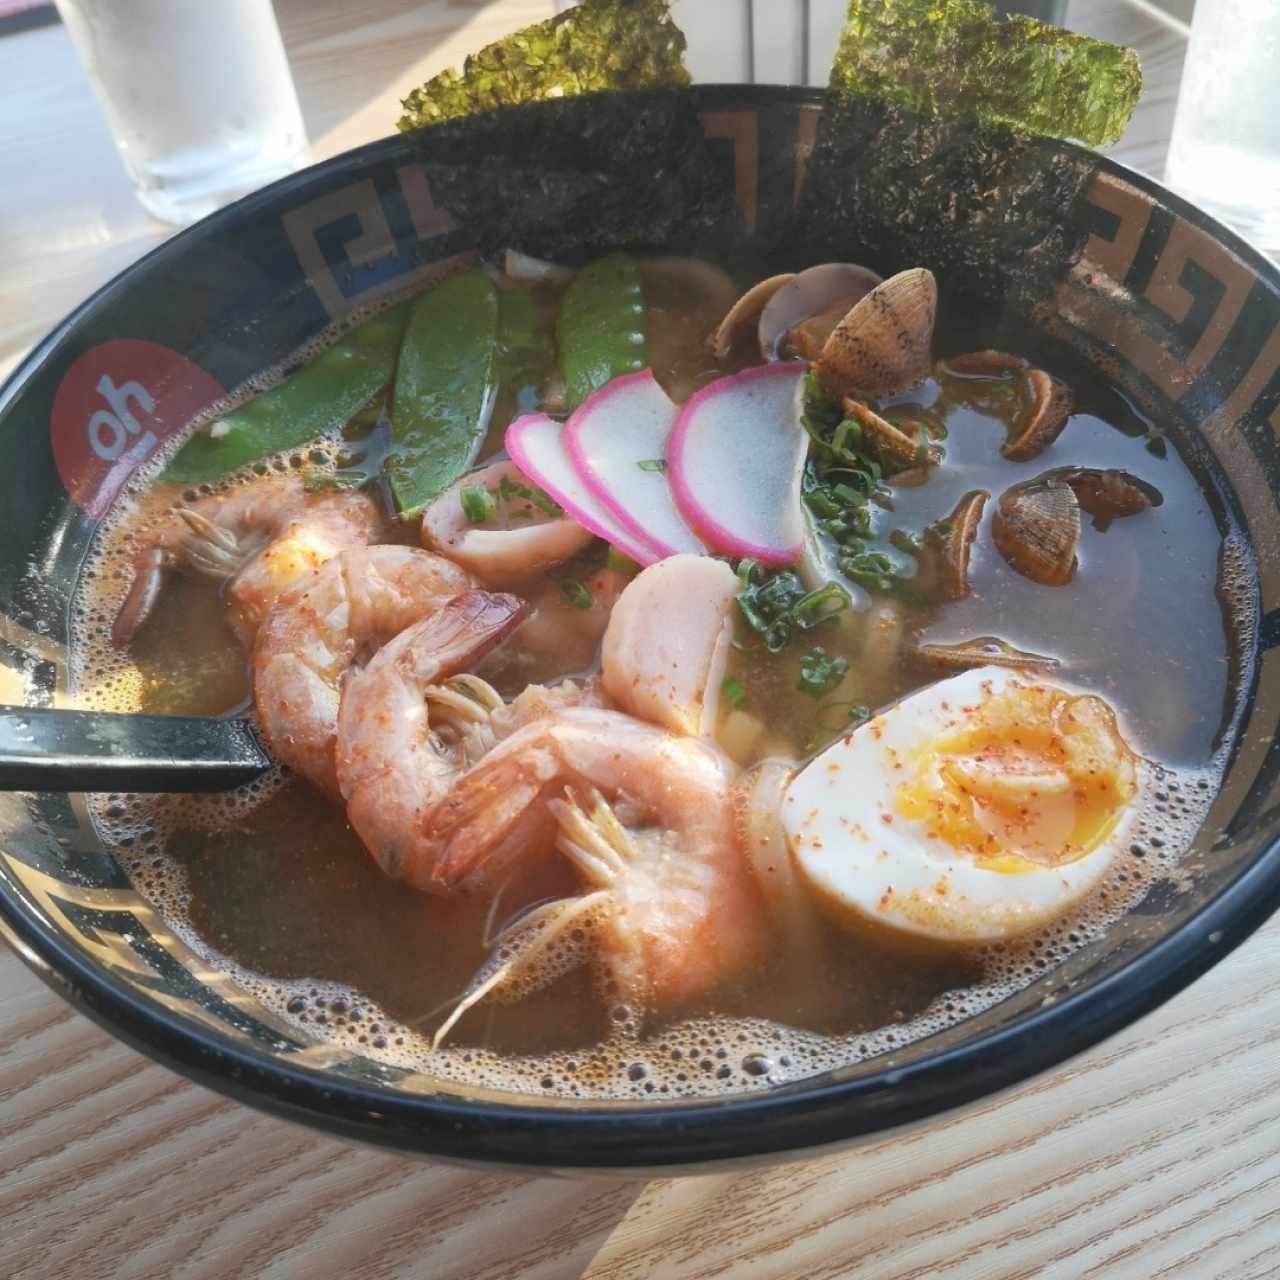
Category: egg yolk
[1035,777]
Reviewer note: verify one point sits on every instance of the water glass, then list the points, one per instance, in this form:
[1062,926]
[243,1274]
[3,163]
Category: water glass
[1225,150]
[198,97]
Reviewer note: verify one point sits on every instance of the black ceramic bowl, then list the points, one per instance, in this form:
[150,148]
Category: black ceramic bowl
[1112,269]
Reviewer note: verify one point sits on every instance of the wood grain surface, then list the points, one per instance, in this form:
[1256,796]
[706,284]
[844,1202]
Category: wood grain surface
[1156,1155]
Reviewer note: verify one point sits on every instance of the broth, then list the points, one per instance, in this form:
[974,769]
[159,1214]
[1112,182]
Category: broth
[276,888]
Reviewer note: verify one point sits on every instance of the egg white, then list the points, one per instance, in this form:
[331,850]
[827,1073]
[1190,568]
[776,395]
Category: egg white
[864,858]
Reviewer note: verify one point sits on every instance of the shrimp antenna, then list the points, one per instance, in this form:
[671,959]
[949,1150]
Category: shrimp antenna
[534,935]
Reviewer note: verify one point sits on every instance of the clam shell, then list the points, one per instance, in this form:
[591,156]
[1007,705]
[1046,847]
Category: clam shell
[1037,529]
[893,444]
[984,364]
[1107,493]
[744,312]
[808,338]
[983,651]
[1040,426]
[828,287]
[882,346]
[954,548]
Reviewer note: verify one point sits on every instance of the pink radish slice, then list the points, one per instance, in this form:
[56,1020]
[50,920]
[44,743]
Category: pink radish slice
[735,458]
[609,436]
[536,445]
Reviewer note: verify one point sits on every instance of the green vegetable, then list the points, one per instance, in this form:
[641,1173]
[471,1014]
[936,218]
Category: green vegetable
[619,563]
[478,504]
[819,674]
[836,717]
[513,491]
[776,606]
[601,327]
[526,353]
[951,57]
[575,595]
[652,464]
[444,389]
[317,480]
[599,45]
[316,400]
[731,689]
[837,484]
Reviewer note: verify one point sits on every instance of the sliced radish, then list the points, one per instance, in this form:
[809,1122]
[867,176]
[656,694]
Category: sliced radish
[734,461]
[536,445]
[617,439]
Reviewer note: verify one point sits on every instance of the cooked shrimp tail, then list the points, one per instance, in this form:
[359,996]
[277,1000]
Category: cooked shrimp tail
[392,764]
[149,571]
[644,816]
[261,538]
[324,628]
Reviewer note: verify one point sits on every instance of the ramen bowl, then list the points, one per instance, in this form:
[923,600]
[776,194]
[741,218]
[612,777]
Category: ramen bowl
[1118,274]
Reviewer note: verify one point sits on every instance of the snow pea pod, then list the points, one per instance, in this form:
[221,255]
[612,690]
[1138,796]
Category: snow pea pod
[445,388]
[601,327]
[316,400]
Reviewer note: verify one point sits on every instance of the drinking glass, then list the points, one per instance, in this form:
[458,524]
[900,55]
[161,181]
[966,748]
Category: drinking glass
[198,97]
[1225,150]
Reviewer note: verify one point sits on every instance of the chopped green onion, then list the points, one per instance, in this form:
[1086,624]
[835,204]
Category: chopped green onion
[820,605]
[509,489]
[733,691]
[575,595]
[620,563]
[652,464]
[478,504]
[819,674]
[835,717]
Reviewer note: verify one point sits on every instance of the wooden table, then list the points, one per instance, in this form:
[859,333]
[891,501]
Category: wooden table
[1156,1155]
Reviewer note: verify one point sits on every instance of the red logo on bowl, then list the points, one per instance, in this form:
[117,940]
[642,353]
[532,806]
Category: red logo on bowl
[114,407]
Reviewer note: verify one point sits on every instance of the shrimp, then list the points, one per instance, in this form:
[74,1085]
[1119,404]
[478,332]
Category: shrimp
[393,764]
[645,817]
[260,537]
[518,537]
[322,627]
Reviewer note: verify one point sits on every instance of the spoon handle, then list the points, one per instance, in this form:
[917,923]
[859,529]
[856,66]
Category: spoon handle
[54,750]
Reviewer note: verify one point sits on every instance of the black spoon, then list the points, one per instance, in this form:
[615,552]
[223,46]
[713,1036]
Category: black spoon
[43,750]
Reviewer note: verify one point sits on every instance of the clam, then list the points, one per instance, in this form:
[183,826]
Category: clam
[953,546]
[911,478]
[810,305]
[1037,529]
[984,364]
[1107,494]
[892,443]
[807,339]
[984,651]
[882,346]
[1041,424]
[744,312]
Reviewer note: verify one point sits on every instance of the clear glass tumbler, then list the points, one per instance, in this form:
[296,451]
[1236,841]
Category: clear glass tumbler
[1225,150]
[197,94]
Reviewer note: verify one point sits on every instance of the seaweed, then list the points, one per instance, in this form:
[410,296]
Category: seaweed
[568,180]
[597,45]
[949,57]
[989,210]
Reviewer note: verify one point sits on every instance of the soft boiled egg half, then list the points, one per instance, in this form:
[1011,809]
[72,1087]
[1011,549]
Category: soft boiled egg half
[977,809]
